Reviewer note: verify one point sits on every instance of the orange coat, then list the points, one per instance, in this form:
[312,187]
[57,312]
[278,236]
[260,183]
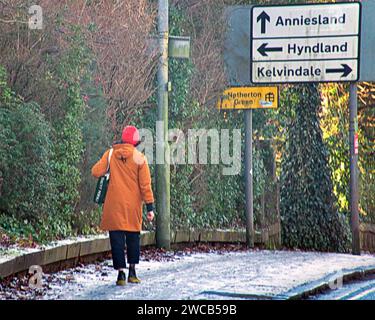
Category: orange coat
[129,186]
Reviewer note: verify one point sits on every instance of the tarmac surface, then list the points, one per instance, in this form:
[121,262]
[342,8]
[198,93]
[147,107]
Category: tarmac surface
[241,275]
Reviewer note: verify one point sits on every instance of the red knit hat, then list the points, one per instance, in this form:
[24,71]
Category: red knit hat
[130,135]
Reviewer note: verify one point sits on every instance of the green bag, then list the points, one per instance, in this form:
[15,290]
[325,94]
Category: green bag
[102,185]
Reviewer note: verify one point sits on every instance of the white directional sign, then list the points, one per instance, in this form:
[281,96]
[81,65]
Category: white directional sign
[305,48]
[305,43]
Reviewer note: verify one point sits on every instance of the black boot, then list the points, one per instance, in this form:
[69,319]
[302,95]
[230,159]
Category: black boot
[121,278]
[132,276]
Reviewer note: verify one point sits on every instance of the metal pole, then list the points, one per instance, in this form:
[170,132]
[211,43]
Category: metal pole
[248,114]
[354,195]
[163,237]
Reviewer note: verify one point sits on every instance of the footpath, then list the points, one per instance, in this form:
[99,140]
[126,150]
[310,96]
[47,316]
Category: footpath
[240,275]
[245,274]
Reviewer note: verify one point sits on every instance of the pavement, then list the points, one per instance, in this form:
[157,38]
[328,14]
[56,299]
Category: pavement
[214,276]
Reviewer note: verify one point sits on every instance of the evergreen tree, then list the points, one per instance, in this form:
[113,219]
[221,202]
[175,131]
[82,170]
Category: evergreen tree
[309,217]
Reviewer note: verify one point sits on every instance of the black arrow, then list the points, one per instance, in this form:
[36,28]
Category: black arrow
[346,70]
[263,49]
[263,17]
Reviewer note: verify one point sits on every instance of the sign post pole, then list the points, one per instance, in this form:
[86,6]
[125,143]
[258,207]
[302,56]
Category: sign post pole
[248,114]
[354,195]
[169,47]
[247,99]
[163,236]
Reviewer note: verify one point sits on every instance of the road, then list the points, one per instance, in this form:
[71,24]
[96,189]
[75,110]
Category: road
[359,290]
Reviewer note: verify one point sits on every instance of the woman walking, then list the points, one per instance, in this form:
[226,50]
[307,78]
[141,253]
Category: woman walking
[129,187]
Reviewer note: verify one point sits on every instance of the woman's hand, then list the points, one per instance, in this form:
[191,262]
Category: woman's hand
[150,216]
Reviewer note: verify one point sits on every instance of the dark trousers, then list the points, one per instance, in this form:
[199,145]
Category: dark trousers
[118,240]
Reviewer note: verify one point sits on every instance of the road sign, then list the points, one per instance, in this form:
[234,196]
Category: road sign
[304,71]
[356,144]
[309,20]
[305,43]
[305,48]
[249,98]
[179,47]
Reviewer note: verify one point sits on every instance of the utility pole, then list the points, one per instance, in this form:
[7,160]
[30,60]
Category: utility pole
[354,195]
[248,114]
[163,237]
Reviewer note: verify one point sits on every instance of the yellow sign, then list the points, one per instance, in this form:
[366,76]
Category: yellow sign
[249,98]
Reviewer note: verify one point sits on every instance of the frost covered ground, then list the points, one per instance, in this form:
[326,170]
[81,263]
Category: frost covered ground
[216,275]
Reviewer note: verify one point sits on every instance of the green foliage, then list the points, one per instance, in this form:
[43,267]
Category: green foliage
[41,160]
[28,187]
[26,154]
[335,125]
[68,141]
[20,229]
[87,222]
[366,163]
[309,217]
